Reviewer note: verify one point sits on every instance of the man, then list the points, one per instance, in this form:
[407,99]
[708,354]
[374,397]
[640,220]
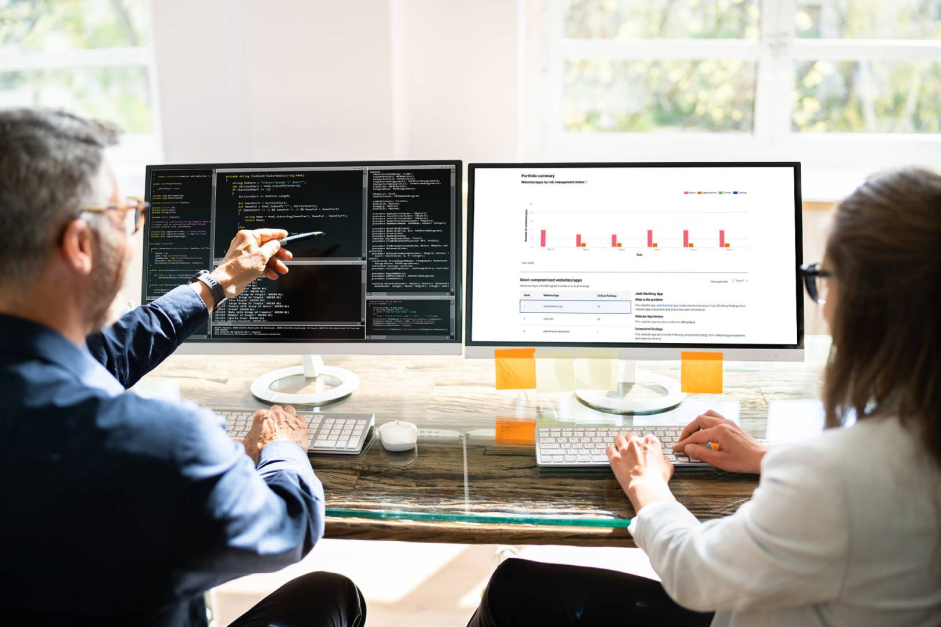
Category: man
[117,509]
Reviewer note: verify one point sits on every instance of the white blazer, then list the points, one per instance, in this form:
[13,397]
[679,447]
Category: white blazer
[842,530]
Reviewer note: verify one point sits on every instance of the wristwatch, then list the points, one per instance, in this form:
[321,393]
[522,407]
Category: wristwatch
[218,294]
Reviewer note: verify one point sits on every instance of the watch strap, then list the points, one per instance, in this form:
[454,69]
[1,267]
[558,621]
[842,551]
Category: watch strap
[218,293]
[215,288]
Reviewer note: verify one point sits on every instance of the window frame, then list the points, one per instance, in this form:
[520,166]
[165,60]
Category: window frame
[135,150]
[775,53]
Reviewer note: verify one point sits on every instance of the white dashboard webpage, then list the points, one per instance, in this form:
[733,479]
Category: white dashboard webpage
[633,255]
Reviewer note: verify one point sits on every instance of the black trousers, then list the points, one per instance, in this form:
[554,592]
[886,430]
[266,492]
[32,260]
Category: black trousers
[312,600]
[521,592]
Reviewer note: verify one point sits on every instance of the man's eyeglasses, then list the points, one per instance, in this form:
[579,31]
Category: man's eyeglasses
[815,280]
[135,212]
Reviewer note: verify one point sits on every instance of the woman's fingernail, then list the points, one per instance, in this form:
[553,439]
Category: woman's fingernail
[689,449]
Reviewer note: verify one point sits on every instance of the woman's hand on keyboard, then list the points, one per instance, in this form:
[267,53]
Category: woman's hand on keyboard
[277,423]
[735,450]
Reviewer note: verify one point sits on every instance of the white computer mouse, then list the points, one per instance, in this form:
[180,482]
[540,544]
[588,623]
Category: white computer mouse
[398,435]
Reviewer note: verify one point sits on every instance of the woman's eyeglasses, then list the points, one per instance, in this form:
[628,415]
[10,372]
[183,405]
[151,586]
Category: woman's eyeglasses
[815,280]
[135,212]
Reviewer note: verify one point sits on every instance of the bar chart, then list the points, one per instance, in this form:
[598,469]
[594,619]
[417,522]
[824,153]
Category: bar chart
[722,226]
[630,239]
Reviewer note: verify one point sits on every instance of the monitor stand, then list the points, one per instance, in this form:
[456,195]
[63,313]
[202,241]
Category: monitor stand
[265,387]
[643,393]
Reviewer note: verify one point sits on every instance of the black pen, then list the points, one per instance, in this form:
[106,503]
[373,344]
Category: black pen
[291,238]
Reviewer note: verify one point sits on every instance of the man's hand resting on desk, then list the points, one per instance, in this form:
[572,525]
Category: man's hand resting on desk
[270,425]
[251,255]
[737,451]
[641,469]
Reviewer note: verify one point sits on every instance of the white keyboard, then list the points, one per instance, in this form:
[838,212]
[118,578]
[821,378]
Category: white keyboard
[333,433]
[564,445]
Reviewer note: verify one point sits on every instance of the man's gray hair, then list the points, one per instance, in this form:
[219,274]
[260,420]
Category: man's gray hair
[49,165]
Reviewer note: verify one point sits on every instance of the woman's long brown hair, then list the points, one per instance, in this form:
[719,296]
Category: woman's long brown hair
[885,252]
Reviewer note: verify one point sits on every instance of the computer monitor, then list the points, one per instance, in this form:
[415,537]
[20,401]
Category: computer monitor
[648,258]
[384,278]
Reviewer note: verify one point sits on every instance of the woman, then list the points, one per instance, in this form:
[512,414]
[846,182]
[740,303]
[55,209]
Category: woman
[844,530]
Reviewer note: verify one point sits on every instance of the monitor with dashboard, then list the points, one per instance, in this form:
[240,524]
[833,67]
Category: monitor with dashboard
[649,258]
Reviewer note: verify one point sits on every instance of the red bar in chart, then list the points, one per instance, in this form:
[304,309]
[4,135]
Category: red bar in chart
[542,238]
[649,239]
[578,240]
[685,239]
[614,241]
[721,239]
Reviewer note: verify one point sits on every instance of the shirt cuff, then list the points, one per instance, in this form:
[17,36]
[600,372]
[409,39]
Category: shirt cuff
[283,451]
[661,509]
[283,455]
[187,310]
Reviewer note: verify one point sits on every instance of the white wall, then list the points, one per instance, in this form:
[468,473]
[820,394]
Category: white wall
[243,80]
[455,79]
[202,79]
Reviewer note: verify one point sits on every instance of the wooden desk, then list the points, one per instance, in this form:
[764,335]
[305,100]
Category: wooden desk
[462,471]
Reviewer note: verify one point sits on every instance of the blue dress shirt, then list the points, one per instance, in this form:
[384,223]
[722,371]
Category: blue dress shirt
[122,510]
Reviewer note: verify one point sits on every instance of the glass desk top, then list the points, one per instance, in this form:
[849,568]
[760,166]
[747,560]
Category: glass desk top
[475,459]
[482,469]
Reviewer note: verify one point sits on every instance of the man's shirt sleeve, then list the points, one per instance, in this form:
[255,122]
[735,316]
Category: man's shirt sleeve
[240,519]
[144,337]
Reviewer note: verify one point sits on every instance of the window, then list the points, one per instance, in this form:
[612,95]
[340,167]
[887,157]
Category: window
[850,82]
[89,57]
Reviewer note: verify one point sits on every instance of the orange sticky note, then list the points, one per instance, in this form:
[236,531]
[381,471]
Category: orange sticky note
[515,368]
[701,373]
[513,431]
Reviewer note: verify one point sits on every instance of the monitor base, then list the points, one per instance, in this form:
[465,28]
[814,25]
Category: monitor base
[264,388]
[645,393]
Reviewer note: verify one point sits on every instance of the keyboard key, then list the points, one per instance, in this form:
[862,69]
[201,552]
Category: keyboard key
[325,443]
[599,458]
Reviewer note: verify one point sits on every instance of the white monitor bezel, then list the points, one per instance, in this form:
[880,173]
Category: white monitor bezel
[319,348]
[663,354]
